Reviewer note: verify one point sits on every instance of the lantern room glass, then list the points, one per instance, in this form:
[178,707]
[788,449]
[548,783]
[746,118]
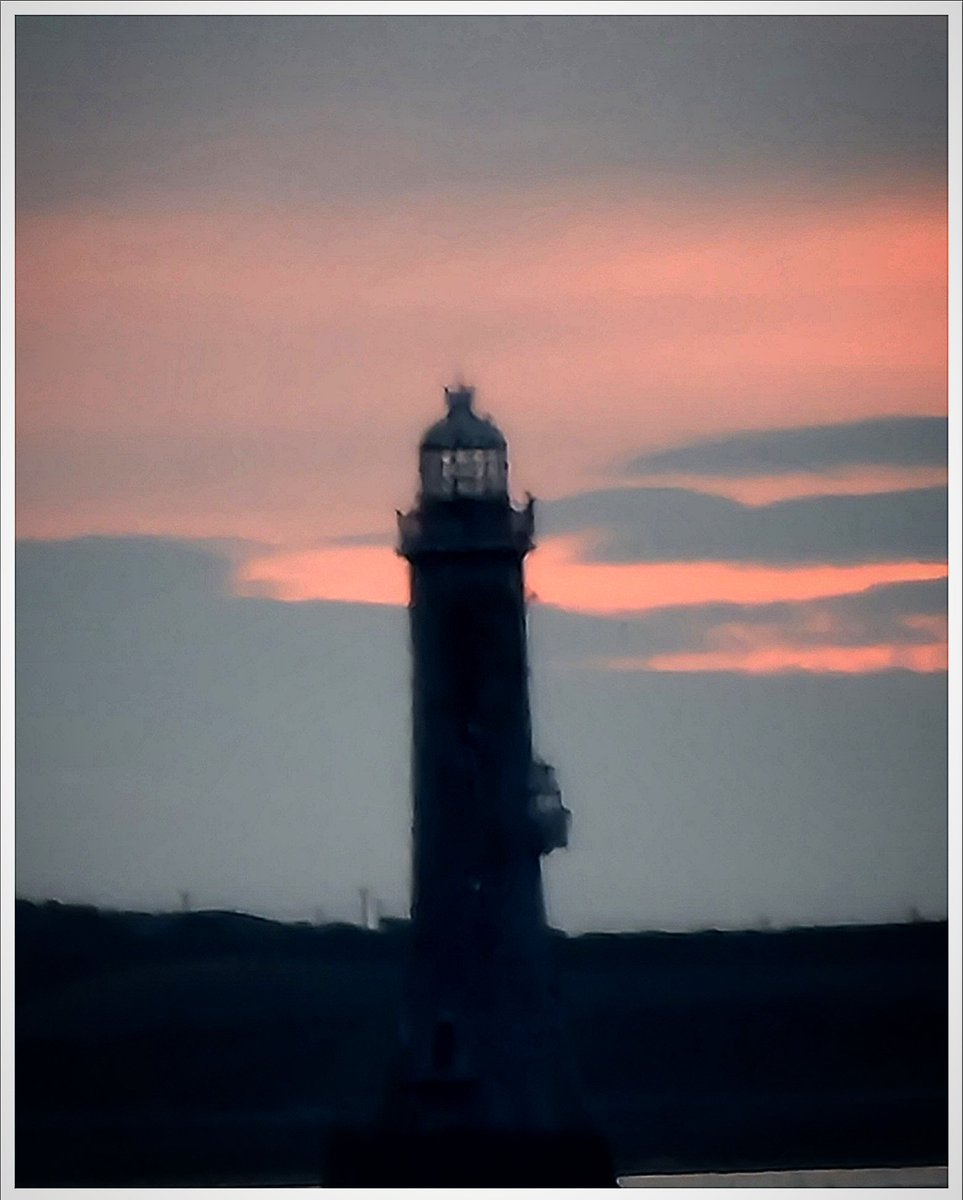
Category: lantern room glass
[464,473]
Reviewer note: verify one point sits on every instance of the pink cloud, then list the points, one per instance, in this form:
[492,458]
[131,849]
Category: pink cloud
[774,660]
[851,481]
[557,575]
[643,321]
[215,347]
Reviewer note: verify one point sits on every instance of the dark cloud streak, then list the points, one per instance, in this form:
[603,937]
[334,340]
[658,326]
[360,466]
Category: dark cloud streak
[885,441]
[645,524]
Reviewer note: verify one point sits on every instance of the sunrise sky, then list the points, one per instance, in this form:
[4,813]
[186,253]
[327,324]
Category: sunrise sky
[696,269]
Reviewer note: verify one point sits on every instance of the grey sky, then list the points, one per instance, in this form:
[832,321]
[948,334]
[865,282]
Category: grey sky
[885,441]
[339,107]
[256,753]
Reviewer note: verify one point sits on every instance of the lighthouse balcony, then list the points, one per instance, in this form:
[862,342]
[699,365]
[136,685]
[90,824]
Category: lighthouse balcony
[466,526]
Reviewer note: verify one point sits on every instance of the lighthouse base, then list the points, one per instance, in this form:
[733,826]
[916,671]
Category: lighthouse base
[467,1158]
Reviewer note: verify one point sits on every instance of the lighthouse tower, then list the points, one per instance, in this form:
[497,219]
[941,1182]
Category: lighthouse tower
[480,1037]
[483,1093]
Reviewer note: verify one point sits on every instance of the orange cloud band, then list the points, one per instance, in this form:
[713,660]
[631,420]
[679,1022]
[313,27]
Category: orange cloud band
[375,575]
[753,649]
[774,660]
[557,577]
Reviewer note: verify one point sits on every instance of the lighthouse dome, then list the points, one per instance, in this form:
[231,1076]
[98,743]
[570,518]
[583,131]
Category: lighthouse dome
[463,456]
[462,428]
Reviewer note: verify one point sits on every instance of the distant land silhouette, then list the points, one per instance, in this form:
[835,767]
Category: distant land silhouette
[216,1047]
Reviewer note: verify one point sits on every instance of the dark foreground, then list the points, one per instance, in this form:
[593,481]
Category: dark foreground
[211,1048]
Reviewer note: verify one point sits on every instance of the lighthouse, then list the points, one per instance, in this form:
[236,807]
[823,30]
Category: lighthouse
[480,1025]
[483,1092]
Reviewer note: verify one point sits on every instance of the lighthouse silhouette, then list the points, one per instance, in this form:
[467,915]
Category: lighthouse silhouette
[484,1091]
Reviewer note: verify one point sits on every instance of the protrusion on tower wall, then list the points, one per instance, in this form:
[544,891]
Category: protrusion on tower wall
[550,818]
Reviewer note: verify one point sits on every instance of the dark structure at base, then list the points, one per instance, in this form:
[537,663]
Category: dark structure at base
[804,1048]
[467,1158]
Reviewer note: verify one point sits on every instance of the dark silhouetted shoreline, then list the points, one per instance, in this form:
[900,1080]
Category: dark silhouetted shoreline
[216,1047]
